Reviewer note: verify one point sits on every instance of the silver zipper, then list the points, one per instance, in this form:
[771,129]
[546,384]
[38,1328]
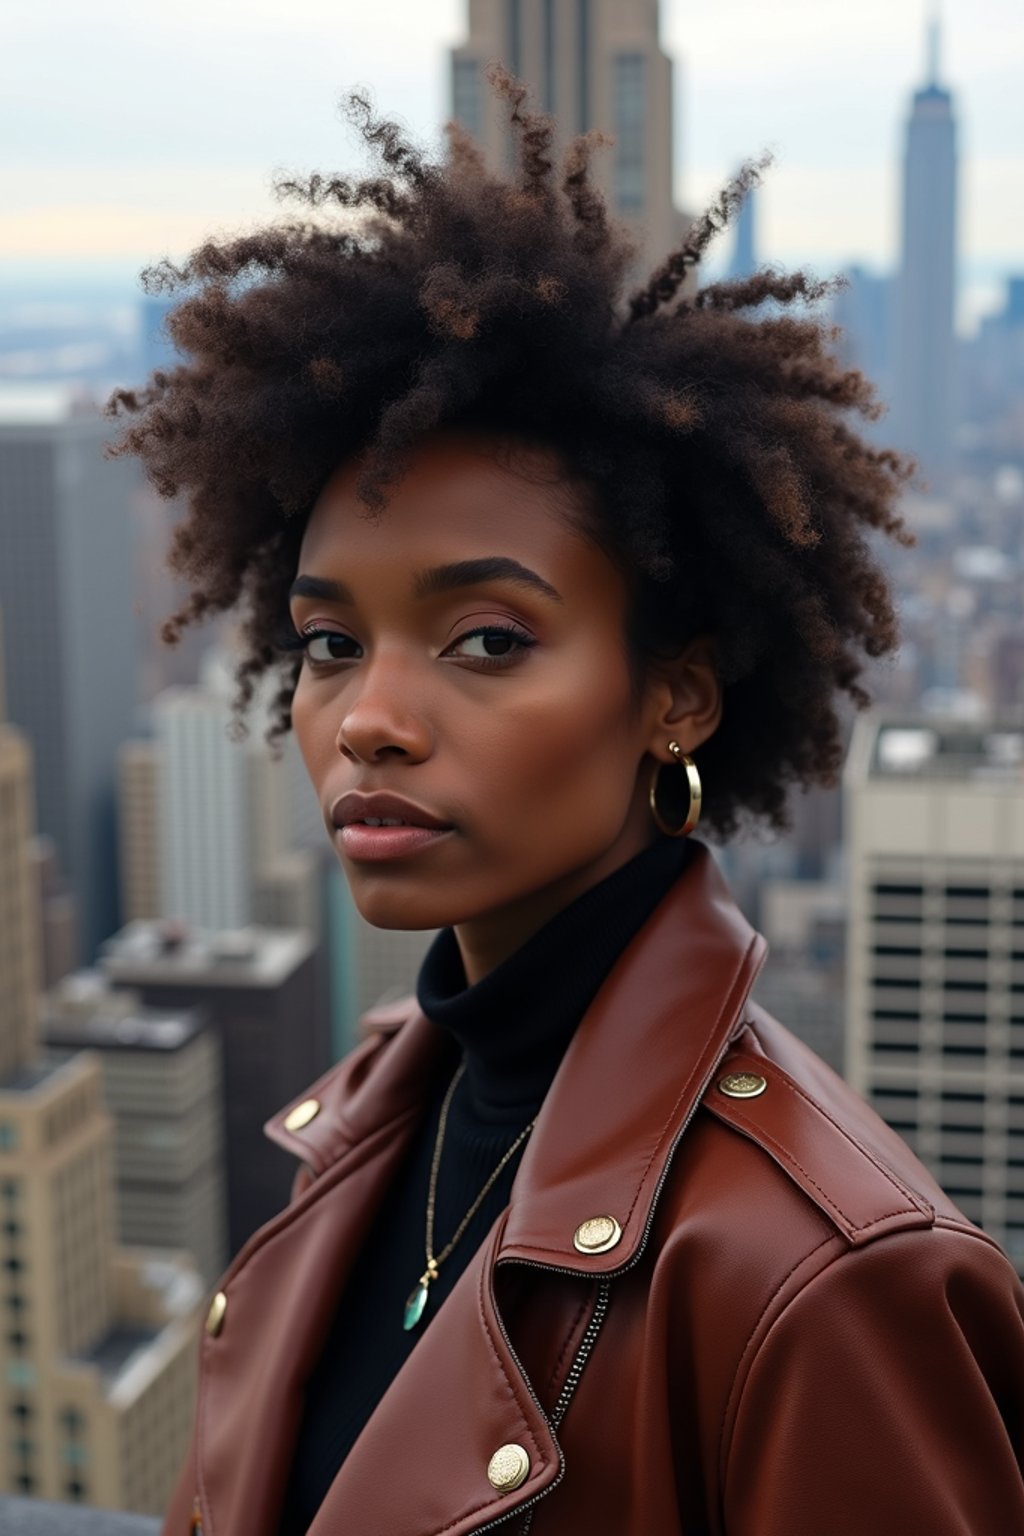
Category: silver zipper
[598,1314]
[571,1382]
[564,1397]
[582,1354]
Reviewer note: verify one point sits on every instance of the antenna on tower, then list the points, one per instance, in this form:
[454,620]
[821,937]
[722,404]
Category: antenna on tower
[934,32]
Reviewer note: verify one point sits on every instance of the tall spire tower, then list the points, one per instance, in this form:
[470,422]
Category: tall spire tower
[926,288]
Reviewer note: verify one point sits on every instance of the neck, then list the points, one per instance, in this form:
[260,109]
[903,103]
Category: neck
[488,940]
[513,1024]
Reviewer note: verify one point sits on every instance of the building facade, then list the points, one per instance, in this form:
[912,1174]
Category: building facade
[97,1343]
[264,993]
[66,591]
[20,959]
[935,960]
[593,64]
[138,830]
[162,1085]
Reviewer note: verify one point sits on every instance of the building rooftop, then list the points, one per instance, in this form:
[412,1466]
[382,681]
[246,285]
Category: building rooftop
[84,1013]
[173,953]
[146,1030]
[113,1352]
[935,749]
[27,1078]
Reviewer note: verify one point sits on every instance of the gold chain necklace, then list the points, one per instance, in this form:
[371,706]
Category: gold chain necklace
[417,1302]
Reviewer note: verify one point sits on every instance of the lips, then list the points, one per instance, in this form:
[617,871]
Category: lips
[380,809]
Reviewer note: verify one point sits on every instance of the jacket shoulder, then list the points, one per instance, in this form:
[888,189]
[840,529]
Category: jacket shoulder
[776,1092]
[318,1112]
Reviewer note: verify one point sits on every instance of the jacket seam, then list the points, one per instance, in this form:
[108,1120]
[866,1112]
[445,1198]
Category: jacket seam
[745,1366]
[553,1378]
[760,1134]
[917,1201]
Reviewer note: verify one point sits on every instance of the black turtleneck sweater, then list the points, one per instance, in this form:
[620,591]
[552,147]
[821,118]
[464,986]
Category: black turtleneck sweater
[511,1028]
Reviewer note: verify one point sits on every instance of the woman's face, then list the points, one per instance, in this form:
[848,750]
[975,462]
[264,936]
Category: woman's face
[467,653]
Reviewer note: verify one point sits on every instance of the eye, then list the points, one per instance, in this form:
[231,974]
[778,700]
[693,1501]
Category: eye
[497,644]
[324,645]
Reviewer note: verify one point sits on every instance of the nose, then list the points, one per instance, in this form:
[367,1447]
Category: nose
[381,720]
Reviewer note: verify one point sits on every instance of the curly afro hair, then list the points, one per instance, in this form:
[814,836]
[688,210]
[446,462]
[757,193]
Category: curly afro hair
[714,429]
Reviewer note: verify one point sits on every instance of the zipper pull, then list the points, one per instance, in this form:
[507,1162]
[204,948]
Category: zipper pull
[195,1525]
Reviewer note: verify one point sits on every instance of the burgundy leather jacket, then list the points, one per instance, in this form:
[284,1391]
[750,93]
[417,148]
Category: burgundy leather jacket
[701,1314]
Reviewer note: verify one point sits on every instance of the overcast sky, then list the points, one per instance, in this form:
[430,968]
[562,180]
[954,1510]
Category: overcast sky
[131,131]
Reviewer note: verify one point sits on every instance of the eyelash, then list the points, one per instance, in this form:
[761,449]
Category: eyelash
[299,641]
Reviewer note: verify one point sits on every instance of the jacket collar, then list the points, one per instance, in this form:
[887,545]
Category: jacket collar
[624,1092]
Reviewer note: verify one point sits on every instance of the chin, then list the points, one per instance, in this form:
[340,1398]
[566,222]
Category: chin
[382,904]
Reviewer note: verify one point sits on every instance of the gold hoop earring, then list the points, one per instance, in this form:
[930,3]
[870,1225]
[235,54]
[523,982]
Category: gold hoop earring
[693,781]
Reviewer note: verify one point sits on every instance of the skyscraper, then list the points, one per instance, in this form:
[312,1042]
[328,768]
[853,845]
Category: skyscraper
[66,590]
[209,825]
[935,958]
[743,260]
[163,1088]
[263,991]
[926,287]
[592,64]
[97,1344]
[20,959]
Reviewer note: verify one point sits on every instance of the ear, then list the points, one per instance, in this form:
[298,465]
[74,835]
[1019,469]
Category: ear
[686,699]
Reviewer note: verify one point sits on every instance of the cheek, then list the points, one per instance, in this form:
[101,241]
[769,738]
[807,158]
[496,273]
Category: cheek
[568,746]
[308,724]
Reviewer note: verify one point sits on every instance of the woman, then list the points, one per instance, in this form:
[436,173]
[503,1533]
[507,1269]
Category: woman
[582,1241]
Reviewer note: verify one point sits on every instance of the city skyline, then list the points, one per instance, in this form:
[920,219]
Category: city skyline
[90,196]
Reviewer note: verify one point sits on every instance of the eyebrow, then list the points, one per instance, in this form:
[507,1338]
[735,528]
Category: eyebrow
[439,578]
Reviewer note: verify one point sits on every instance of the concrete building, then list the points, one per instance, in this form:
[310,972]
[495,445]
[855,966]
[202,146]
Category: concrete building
[162,1085]
[212,826]
[926,288]
[205,855]
[97,1344]
[592,64]
[58,913]
[138,830]
[66,590]
[803,980]
[935,959]
[264,993]
[20,959]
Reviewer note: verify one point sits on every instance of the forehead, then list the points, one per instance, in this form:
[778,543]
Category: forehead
[461,494]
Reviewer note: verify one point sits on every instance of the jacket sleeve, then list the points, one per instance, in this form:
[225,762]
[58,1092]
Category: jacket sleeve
[886,1398]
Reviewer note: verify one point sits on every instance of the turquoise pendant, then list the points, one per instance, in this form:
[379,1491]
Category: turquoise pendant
[415,1307]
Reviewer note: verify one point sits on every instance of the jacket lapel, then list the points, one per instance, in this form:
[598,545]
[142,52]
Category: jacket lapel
[457,1400]
[633,1075]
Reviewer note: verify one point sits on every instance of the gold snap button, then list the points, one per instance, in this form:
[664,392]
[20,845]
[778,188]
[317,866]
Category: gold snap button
[216,1314]
[302,1114]
[597,1234]
[507,1468]
[743,1085]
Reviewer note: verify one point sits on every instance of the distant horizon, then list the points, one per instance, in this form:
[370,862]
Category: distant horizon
[982,284]
[178,125]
